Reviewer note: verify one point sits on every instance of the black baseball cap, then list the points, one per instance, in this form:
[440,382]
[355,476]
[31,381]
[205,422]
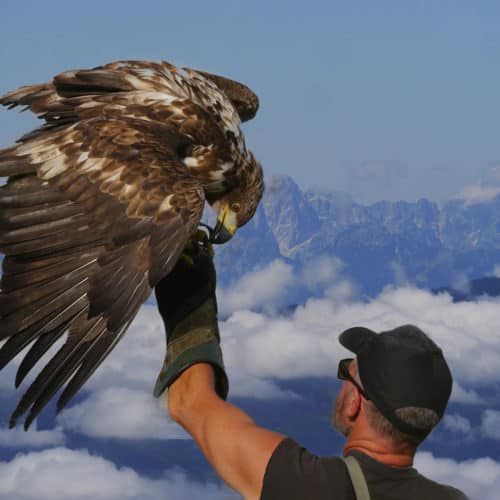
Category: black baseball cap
[400,368]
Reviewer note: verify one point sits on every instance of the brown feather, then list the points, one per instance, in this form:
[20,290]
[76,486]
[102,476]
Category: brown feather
[100,202]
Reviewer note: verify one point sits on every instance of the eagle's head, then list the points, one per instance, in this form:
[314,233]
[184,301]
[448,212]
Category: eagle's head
[238,205]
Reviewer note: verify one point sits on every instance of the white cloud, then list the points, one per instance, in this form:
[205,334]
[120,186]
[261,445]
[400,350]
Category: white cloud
[61,474]
[457,423]
[342,291]
[122,413]
[306,343]
[490,424]
[478,478]
[270,287]
[263,288]
[243,384]
[478,193]
[320,272]
[465,396]
[33,438]
[277,347]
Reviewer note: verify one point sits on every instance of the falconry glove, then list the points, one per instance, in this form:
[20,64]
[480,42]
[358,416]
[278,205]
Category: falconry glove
[187,303]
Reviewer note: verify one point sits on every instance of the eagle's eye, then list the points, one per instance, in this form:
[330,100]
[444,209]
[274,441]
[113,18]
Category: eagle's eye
[235,207]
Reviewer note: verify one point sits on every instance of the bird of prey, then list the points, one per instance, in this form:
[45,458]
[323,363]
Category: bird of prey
[100,201]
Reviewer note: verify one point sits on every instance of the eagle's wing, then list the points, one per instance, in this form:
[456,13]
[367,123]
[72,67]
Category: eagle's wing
[229,101]
[95,212]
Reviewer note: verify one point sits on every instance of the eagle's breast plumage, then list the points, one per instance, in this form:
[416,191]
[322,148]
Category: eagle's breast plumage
[101,200]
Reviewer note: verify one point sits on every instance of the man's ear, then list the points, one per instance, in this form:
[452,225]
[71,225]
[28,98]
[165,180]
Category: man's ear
[354,405]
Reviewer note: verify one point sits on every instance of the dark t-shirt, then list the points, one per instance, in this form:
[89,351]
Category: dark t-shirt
[294,473]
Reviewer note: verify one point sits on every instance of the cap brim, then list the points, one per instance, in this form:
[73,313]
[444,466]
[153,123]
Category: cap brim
[356,338]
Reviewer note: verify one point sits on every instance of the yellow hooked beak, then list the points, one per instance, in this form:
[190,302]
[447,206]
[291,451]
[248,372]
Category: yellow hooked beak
[226,226]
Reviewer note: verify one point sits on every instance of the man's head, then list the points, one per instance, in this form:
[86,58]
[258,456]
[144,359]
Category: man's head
[404,380]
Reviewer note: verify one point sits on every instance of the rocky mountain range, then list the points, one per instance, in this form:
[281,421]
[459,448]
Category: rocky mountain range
[419,243]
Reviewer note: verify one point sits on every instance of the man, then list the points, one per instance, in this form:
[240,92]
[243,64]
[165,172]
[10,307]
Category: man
[394,393]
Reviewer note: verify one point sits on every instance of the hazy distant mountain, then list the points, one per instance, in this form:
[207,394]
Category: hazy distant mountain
[379,244]
[290,215]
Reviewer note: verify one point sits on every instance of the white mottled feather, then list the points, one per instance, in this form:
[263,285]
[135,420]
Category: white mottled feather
[53,167]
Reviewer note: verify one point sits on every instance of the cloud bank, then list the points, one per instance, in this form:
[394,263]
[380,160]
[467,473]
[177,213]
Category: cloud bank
[273,286]
[61,474]
[263,288]
[18,438]
[260,349]
[306,342]
[478,478]
[121,413]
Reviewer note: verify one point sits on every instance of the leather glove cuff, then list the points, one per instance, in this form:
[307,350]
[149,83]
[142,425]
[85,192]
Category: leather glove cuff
[194,339]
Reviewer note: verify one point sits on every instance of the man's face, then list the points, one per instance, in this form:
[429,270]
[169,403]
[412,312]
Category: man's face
[340,419]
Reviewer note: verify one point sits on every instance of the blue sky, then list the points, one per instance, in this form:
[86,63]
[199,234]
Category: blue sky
[385,99]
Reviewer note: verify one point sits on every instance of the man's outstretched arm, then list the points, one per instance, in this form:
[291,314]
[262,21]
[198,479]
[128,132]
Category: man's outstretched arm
[194,373]
[235,446]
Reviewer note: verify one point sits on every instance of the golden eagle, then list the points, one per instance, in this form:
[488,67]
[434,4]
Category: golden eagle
[101,200]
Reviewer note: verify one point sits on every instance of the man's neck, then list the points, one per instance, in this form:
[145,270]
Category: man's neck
[380,452]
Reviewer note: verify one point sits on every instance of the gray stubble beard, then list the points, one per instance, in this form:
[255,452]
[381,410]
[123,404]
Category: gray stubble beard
[342,427]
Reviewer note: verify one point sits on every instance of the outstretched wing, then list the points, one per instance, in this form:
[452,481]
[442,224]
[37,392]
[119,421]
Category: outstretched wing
[228,101]
[93,215]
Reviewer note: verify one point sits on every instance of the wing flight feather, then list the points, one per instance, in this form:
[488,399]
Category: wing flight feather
[99,212]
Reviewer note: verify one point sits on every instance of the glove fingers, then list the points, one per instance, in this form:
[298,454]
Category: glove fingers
[193,274]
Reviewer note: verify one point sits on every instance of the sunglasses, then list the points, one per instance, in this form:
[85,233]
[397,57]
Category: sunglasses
[343,374]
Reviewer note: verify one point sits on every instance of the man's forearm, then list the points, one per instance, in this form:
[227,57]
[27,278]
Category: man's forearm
[234,445]
[195,386]
[194,404]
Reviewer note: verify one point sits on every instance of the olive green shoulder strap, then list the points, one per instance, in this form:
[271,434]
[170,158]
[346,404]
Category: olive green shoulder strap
[357,478]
